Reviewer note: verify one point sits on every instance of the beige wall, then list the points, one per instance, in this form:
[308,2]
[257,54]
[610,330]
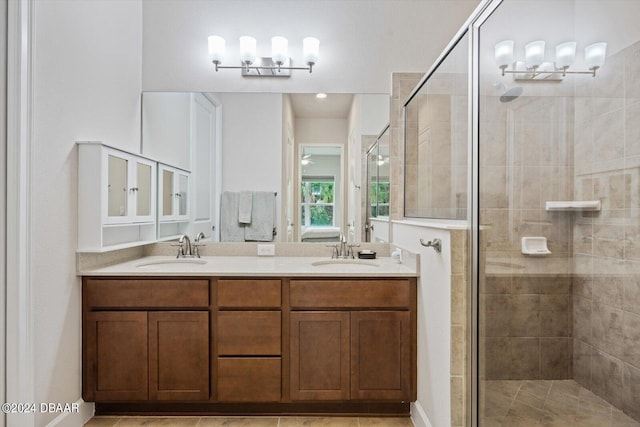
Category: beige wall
[606,244]
[402,86]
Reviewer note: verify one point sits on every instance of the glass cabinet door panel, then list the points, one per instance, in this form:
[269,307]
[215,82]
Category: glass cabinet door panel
[167,193]
[183,200]
[372,177]
[143,195]
[117,190]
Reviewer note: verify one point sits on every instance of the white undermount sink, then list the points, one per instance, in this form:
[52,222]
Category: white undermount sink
[344,262]
[171,262]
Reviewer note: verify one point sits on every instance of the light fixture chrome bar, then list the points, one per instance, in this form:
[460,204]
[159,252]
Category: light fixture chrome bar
[534,73]
[264,64]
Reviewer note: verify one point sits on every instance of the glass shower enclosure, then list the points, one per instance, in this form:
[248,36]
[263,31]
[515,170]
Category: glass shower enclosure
[553,206]
[557,207]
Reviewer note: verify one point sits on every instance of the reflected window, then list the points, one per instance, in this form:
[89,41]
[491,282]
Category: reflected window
[379,199]
[318,196]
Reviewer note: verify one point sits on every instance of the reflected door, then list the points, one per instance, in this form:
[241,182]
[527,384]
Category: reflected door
[205,128]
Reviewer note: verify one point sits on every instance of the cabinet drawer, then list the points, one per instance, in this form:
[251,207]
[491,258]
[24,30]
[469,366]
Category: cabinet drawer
[249,333]
[249,379]
[350,293]
[146,293]
[249,293]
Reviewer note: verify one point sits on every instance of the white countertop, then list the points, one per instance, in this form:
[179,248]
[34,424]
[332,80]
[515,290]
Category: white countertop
[239,266]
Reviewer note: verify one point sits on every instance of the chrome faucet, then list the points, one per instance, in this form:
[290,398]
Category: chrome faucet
[343,250]
[184,247]
[197,244]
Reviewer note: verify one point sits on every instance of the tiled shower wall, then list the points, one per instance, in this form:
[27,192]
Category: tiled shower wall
[526,327]
[525,160]
[402,86]
[607,243]
[437,141]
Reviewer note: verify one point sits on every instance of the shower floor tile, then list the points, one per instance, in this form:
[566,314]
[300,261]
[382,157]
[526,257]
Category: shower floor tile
[557,403]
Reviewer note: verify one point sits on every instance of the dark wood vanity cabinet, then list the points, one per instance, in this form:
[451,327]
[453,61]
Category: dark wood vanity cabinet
[249,337]
[292,343]
[352,340]
[320,355]
[116,356]
[145,343]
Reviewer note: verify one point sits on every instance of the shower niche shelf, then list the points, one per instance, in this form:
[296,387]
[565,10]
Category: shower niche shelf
[573,205]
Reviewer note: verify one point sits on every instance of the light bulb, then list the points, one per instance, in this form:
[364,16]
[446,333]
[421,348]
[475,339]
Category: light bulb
[279,49]
[594,55]
[310,50]
[534,54]
[247,49]
[504,53]
[565,54]
[216,49]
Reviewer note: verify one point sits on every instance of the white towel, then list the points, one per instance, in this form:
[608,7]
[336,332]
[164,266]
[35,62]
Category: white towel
[230,229]
[245,207]
[263,217]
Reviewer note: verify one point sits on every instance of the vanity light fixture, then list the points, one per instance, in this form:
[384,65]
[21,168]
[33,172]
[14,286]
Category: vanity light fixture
[534,68]
[278,65]
[321,95]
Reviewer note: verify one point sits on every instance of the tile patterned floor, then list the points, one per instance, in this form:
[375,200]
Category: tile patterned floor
[546,403]
[248,422]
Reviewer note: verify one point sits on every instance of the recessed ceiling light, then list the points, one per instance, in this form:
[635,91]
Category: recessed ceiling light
[321,95]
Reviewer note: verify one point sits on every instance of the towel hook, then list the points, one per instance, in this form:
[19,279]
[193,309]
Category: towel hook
[435,244]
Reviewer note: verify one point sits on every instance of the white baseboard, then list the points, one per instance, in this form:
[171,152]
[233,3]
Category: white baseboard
[74,419]
[418,416]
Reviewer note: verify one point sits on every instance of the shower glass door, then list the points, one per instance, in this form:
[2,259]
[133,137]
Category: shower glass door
[558,213]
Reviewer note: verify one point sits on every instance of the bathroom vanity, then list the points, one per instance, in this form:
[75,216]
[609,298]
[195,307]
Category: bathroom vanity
[248,335]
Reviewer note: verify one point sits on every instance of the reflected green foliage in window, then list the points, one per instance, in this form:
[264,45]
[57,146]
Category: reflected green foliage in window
[317,202]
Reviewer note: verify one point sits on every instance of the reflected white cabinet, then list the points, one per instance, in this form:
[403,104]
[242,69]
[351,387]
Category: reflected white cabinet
[184,130]
[174,199]
[116,198]
[173,187]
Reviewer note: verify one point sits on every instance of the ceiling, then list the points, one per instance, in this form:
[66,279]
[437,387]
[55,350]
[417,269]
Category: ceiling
[334,106]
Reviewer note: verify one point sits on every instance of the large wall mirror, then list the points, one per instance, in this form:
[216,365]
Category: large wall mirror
[239,142]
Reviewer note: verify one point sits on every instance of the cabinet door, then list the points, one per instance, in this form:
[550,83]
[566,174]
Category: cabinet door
[130,188]
[166,182]
[117,179]
[143,191]
[380,355]
[179,355]
[319,355]
[115,356]
[173,187]
[182,195]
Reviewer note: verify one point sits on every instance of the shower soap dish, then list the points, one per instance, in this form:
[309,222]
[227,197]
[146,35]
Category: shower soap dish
[535,246]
